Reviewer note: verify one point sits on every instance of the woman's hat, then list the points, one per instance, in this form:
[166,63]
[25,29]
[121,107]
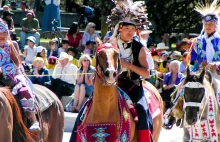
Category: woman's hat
[176,53]
[32,39]
[7,13]
[40,48]
[162,46]
[64,55]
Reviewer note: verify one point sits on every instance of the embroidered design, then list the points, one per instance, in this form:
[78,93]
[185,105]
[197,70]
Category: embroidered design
[27,104]
[3,28]
[124,137]
[83,138]
[125,114]
[100,134]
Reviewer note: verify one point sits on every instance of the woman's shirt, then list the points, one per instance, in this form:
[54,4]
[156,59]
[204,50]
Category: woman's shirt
[74,42]
[167,79]
[88,37]
[41,79]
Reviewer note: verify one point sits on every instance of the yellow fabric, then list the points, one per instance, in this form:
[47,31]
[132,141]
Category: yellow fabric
[93,62]
[162,69]
[50,66]
[45,60]
[75,62]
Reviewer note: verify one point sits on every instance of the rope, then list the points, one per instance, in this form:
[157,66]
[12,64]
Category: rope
[59,74]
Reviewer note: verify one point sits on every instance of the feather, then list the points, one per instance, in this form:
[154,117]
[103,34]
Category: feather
[208,8]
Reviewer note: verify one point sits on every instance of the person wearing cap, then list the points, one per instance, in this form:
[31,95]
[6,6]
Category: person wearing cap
[176,55]
[52,62]
[30,50]
[42,52]
[64,76]
[161,47]
[65,45]
[30,27]
[5,8]
[7,17]
[13,5]
[14,77]
[39,69]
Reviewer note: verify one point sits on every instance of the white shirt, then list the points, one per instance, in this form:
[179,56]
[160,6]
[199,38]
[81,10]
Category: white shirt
[60,50]
[30,54]
[209,47]
[56,2]
[70,70]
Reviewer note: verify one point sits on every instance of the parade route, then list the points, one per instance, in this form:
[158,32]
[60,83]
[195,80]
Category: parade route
[173,135]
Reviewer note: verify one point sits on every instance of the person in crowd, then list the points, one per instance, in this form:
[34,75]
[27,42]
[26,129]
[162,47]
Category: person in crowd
[51,12]
[29,27]
[13,5]
[5,8]
[144,36]
[185,44]
[108,34]
[52,62]
[164,64]
[176,55]
[53,48]
[41,52]
[183,64]
[23,6]
[74,37]
[40,72]
[161,47]
[165,38]
[84,86]
[90,34]
[64,76]
[7,17]
[65,45]
[72,6]
[30,50]
[73,53]
[89,47]
[31,5]
[170,81]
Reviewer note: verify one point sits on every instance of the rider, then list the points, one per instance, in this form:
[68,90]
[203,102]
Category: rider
[133,60]
[11,70]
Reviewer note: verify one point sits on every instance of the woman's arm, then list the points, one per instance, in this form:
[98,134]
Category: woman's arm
[12,25]
[79,77]
[89,80]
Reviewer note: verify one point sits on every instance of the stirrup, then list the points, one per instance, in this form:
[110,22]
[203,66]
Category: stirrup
[35,127]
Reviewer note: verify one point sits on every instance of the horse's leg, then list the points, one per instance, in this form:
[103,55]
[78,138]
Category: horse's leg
[56,124]
[185,135]
[6,120]
[157,123]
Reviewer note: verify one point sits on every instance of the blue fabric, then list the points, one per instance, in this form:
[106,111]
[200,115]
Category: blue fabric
[167,79]
[182,67]
[42,79]
[51,12]
[55,53]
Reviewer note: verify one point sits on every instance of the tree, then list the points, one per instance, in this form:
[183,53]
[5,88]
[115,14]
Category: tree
[174,16]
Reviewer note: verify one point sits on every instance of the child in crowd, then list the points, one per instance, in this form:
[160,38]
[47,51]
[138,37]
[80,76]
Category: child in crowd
[89,47]
[52,50]
[73,52]
[65,45]
[52,61]
[30,50]
[41,52]
[40,72]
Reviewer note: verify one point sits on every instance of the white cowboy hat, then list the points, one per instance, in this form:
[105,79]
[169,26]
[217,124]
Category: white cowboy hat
[176,53]
[64,55]
[162,46]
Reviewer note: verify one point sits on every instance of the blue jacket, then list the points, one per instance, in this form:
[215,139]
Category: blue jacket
[42,79]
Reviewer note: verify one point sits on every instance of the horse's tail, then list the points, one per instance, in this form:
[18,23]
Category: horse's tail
[20,132]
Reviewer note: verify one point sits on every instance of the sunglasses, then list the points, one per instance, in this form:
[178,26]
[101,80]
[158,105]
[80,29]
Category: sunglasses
[85,60]
[94,27]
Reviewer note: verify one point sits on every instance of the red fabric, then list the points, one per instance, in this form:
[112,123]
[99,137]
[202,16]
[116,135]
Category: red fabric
[78,139]
[143,136]
[74,41]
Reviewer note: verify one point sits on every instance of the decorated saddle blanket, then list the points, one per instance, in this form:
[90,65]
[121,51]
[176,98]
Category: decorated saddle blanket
[153,102]
[44,97]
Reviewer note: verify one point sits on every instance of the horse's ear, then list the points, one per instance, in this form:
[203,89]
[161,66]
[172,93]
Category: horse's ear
[201,76]
[187,72]
[119,66]
[98,41]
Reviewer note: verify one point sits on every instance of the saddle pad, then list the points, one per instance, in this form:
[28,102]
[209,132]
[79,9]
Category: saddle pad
[44,97]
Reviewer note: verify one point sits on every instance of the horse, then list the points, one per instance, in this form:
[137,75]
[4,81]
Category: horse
[105,106]
[198,108]
[15,124]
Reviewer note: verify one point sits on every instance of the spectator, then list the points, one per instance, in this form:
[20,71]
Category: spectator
[30,27]
[89,48]
[161,47]
[165,38]
[108,34]
[23,6]
[84,87]
[41,52]
[74,37]
[51,12]
[31,5]
[30,51]
[185,44]
[52,61]
[164,64]
[64,77]
[65,45]
[73,52]
[72,6]
[144,35]
[170,81]
[53,48]
[5,8]
[41,74]
[90,34]
[7,17]
[183,64]
[176,55]
[13,5]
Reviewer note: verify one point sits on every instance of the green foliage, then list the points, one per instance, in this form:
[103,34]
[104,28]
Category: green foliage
[174,16]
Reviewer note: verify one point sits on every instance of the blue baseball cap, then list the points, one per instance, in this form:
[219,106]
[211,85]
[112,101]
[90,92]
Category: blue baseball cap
[164,53]
[32,39]
[210,17]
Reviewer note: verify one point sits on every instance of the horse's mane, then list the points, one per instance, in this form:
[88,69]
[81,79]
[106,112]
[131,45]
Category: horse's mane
[20,132]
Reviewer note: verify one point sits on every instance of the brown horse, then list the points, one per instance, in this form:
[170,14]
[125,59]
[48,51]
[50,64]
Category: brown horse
[104,107]
[14,127]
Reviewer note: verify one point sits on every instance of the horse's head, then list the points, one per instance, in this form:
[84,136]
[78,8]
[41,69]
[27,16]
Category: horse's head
[194,92]
[108,64]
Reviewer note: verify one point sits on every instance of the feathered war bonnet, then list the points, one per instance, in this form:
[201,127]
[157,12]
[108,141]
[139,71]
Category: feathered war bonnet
[127,12]
[209,11]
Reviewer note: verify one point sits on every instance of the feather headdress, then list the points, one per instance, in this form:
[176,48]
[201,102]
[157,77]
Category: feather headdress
[128,11]
[209,11]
